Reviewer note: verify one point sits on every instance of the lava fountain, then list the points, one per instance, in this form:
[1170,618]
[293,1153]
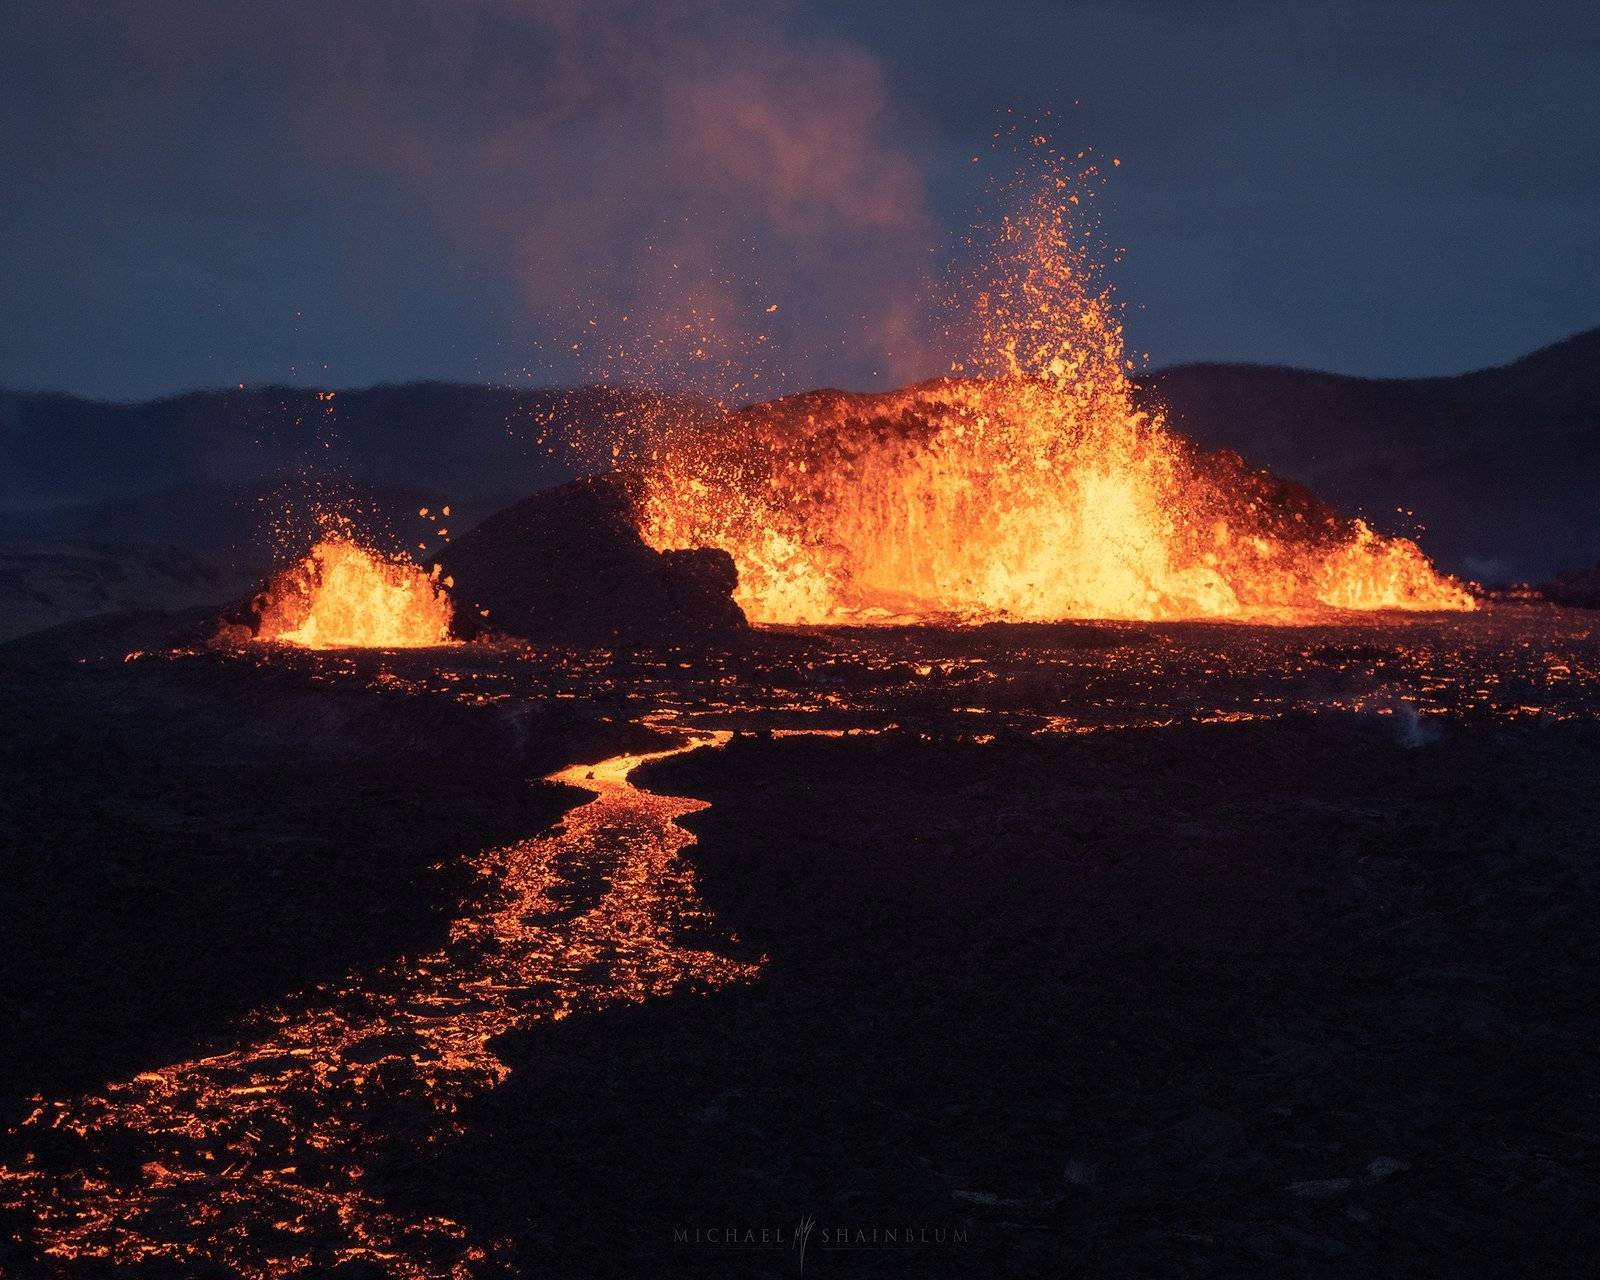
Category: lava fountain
[1030,486]
[344,595]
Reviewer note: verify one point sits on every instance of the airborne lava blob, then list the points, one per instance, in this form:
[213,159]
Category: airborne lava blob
[344,595]
[1031,488]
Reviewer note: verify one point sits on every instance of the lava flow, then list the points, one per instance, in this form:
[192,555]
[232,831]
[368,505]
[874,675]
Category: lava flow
[1034,489]
[343,595]
[252,1162]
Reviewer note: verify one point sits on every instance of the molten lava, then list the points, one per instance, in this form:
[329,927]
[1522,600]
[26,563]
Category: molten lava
[1032,489]
[252,1162]
[343,595]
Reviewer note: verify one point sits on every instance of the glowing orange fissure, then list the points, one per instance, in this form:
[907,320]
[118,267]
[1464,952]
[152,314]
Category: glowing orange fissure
[1036,490]
[344,595]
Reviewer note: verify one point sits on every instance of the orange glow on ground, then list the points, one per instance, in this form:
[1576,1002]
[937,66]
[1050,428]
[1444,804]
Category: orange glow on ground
[343,595]
[1032,488]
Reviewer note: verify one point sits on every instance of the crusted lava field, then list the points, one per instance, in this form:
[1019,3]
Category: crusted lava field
[1123,949]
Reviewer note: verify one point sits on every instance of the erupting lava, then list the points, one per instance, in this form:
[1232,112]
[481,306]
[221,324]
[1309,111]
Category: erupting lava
[341,594]
[1033,489]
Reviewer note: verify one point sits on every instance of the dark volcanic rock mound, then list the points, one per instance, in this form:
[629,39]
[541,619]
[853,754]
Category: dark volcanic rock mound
[568,565]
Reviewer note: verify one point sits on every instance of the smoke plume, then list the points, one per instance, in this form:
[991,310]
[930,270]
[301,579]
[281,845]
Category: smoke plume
[690,195]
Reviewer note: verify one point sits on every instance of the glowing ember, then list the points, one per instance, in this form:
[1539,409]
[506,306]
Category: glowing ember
[1034,489]
[343,595]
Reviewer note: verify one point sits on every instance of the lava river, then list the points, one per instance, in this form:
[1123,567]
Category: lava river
[254,1161]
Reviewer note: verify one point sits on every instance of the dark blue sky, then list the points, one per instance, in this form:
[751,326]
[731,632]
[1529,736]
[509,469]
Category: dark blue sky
[212,193]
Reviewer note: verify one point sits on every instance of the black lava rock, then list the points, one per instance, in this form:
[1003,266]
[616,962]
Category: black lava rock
[568,565]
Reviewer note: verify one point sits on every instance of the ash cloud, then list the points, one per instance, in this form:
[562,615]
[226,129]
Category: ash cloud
[217,191]
[689,196]
[283,190]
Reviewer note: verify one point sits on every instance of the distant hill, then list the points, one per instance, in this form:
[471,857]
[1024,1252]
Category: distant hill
[215,470]
[1500,466]
[43,583]
[245,525]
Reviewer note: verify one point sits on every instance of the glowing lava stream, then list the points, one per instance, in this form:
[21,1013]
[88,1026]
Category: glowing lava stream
[252,1161]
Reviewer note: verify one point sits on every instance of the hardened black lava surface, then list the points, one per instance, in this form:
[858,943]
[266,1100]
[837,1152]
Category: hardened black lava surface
[1125,950]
